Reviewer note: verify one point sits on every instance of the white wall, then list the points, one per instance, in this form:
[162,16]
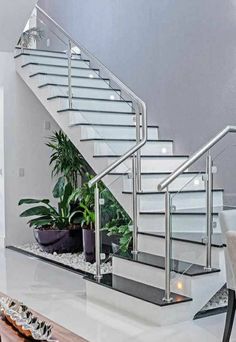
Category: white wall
[13,18]
[24,119]
[2,190]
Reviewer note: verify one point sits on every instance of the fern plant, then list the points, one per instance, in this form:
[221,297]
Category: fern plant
[66,159]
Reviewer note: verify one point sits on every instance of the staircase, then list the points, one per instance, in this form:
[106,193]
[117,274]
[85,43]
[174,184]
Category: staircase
[101,125]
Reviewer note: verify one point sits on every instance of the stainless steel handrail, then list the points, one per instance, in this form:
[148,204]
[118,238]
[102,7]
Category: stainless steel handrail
[142,104]
[209,203]
[168,180]
[134,151]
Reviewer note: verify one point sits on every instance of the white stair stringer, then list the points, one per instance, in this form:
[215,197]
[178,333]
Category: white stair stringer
[76,132]
[86,131]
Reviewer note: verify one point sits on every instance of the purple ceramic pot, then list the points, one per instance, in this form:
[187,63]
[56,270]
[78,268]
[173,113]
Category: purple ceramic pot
[60,241]
[89,245]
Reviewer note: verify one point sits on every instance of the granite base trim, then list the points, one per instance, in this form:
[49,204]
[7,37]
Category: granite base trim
[216,305]
[74,262]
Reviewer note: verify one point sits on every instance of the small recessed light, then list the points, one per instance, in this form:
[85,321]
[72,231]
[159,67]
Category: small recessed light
[196,182]
[91,75]
[112,97]
[164,150]
[179,285]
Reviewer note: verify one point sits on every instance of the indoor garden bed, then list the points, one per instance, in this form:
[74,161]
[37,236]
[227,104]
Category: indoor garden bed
[73,261]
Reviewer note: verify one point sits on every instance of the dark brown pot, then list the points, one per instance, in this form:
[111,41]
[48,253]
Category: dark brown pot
[60,241]
[89,245]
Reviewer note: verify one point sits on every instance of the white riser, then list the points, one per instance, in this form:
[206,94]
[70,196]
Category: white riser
[99,118]
[89,132]
[180,223]
[180,283]
[152,164]
[112,106]
[150,275]
[44,53]
[120,147]
[81,92]
[84,82]
[185,251]
[50,60]
[84,71]
[181,200]
[150,182]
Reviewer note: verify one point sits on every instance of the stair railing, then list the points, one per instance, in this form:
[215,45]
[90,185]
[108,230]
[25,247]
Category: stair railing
[134,152]
[164,185]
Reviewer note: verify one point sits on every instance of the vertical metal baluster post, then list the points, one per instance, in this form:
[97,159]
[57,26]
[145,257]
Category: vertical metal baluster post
[98,274]
[135,205]
[69,75]
[167,297]
[138,153]
[209,205]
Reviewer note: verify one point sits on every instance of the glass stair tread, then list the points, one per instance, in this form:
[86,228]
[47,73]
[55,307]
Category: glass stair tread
[137,290]
[190,211]
[158,173]
[191,237]
[44,50]
[143,156]
[49,56]
[76,86]
[92,110]
[58,66]
[171,191]
[60,75]
[178,266]
[124,139]
[88,98]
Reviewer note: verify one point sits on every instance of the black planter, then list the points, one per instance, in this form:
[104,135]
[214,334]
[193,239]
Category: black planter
[109,243]
[60,241]
[89,245]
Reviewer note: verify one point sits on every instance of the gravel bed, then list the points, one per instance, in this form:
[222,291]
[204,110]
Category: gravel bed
[74,260]
[219,300]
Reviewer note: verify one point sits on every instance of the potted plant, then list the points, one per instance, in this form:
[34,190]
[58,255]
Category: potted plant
[86,208]
[56,229]
[29,36]
[66,160]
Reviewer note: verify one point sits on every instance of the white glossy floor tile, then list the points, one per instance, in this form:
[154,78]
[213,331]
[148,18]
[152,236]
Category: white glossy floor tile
[60,295]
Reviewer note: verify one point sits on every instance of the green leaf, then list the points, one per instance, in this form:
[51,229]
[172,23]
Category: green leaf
[73,214]
[67,193]
[32,201]
[41,221]
[65,158]
[59,188]
[74,196]
[40,210]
